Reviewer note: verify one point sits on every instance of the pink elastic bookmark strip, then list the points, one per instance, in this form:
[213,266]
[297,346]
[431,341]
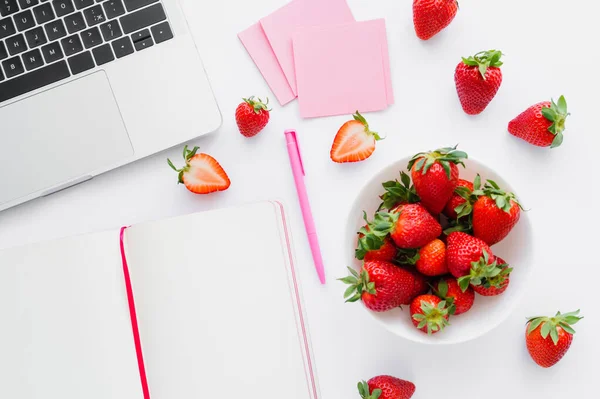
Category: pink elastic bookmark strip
[133,315]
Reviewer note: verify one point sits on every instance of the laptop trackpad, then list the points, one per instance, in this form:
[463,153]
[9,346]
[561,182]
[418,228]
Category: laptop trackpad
[60,135]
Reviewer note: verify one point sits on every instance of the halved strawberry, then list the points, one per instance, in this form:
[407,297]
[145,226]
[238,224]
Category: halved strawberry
[354,142]
[202,174]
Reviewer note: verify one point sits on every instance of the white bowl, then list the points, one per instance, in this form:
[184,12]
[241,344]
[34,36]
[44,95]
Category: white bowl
[487,312]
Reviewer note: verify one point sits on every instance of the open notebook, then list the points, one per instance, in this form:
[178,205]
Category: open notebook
[218,307]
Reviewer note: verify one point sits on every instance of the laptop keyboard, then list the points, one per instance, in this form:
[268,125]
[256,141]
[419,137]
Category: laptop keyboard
[43,41]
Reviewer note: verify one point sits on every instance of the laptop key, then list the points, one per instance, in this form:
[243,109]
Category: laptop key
[162,32]
[32,59]
[8,7]
[141,35]
[3,52]
[24,20]
[28,3]
[52,52]
[55,30]
[143,18]
[122,47]
[91,37]
[111,30]
[133,5]
[144,44]
[83,3]
[94,15]
[81,63]
[13,67]
[75,22]
[34,80]
[103,54]
[63,7]
[43,13]
[113,8]
[36,37]
[71,45]
[16,44]
[7,27]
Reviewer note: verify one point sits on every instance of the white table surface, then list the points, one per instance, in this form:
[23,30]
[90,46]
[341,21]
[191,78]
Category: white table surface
[549,51]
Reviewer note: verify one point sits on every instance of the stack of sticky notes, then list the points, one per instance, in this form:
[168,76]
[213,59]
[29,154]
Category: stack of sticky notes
[315,50]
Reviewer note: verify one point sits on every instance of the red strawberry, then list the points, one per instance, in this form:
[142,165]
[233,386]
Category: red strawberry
[432,259]
[373,247]
[435,176]
[496,285]
[495,213]
[201,174]
[460,302]
[386,387]
[354,142]
[429,313]
[478,79]
[431,16]
[462,250]
[457,200]
[542,124]
[547,352]
[252,116]
[421,285]
[382,286]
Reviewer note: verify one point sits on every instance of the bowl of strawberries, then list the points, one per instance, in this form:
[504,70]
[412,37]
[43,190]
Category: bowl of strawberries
[439,246]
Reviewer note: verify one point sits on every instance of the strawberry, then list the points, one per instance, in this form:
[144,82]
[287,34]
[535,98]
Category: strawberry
[435,176]
[462,250]
[478,79]
[354,142]
[374,247]
[542,124]
[488,276]
[382,286]
[252,116]
[457,200]
[431,16]
[202,174]
[421,285]
[429,313]
[386,387]
[460,302]
[409,226]
[495,213]
[547,352]
[432,259]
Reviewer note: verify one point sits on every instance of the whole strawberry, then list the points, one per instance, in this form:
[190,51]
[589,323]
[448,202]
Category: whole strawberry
[462,250]
[542,124]
[354,142]
[487,276]
[429,313]
[435,176]
[496,285]
[381,286]
[547,352]
[374,247]
[459,301]
[252,116]
[431,16]
[495,213]
[202,174]
[478,79]
[386,387]
[432,259]
[457,200]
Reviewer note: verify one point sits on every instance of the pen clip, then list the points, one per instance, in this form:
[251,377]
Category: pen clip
[295,138]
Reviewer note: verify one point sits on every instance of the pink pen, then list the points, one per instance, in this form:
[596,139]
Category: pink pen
[309,223]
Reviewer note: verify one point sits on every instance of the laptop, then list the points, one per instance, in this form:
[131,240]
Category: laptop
[87,86]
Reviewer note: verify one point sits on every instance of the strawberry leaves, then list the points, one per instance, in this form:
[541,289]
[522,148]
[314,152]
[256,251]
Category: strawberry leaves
[433,316]
[187,155]
[444,156]
[557,114]
[550,324]
[372,236]
[363,389]
[484,60]
[485,273]
[399,192]
[359,118]
[358,284]
[257,106]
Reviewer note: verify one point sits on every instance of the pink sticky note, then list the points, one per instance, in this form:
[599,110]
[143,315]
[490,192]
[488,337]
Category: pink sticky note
[260,51]
[281,25]
[341,69]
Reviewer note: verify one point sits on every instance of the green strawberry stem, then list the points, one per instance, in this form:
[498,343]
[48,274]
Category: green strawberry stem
[259,105]
[503,199]
[549,324]
[434,317]
[373,238]
[441,291]
[444,156]
[399,192]
[557,114]
[486,274]
[483,60]
[358,283]
[358,117]
[363,389]
[187,155]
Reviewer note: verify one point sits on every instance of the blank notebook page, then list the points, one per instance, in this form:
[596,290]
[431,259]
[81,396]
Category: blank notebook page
[65,328]
[216,306]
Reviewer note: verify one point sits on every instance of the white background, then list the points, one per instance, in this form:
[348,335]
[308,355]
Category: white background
[550,50]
